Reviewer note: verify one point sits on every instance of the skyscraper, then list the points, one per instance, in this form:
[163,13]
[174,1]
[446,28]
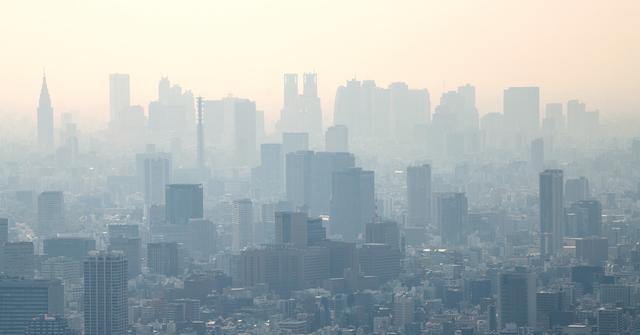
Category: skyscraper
[105,294]
[245,131]
[291,228]
[23,299]
[51,211]
[521,107]
[299,167]
[4,230]
[585,218]
[130,248]
[576,189]
[517,298]
[183,202]
[154,171]
[45,118]
[551,212]
[537,154]
[352,202]
[162,258]
[119,98]
[46,324]
[337,139]
[242,221]
[270,172]
[451,212]
[418,195]
[17,259]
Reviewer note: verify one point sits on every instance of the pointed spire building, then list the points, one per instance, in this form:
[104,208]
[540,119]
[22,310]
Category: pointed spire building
[45,117]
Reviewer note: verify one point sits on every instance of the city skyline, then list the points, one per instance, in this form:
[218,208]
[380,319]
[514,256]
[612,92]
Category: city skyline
[588,45]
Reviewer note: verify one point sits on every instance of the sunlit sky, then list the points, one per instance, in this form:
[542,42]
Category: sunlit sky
[589,50]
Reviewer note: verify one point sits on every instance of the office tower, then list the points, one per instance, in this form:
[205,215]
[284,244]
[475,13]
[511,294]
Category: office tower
[291,228]
[301,112]
[403,310]
[576,189]
[537,154]
[584,218]
[18,259]
[451,214]
[270,173]
[616,294]
[4,230]
[174,110]
[298,171]
[130,248]
[46,324]
[162,258]
[351,109]
[200,136]
[554,120]
[73,247]
[242,221]
[323,165]
[154,171]
[21,300]
[551,212]
[592,250]
[292,142]
[316,232]
[245,131]
[352,202]
[380,260]
[517,298]
[51,211]
[183,202]
[337,139]
[418,195]
[63,268]
[408,108]
[521,108]
[385,232]
[203,238]
[548,305]
[610,321]
[119,98]
[105,294]
[45,118]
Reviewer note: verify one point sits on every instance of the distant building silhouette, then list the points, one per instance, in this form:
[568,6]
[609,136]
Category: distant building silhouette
[418,195]
[551,212]
[183,202]
[45,118]
[352,202]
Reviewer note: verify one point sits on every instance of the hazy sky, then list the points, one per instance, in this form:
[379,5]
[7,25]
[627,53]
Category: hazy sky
[588,50]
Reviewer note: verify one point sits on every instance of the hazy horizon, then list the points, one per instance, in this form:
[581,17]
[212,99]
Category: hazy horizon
[569,50]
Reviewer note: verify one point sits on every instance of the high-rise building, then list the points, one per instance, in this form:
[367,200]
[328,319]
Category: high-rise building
[418,195]
[242,223]
[18,259]
[301,112]
[576,189]
[298,184]
[403,310]
[45,118]
[380,260]
[4,230]
[153,171]
[352,202]
[73,247]
[554,120]
[162,258]
[245,131]
[385,232]
[337,139]
[130,248]
[119,98]
[537,154]
[291,228]
[51,211]
[270,173]
[592,250]
[517,298]
[551,212]
[46,324]
[292,142]
[203,238]
[22,300]
[610,321]
[521,108]
[451,216]
[105,294]
[183,202]
[584,218]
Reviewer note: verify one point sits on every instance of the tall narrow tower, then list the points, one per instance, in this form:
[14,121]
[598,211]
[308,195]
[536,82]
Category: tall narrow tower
[200,149]
[45,117]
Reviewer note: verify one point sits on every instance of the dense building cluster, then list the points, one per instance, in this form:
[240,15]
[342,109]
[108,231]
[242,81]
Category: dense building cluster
[196,218]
